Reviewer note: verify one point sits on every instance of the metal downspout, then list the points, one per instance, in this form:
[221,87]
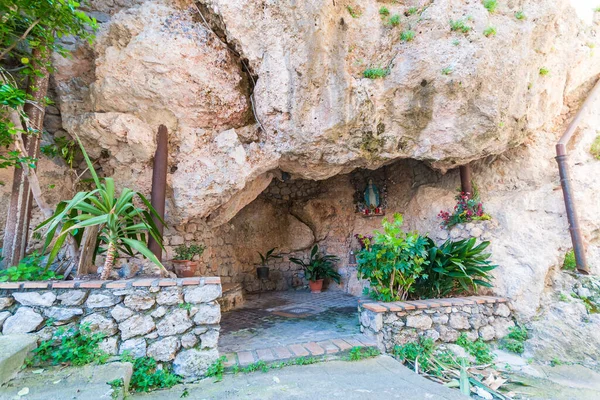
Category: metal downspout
[567,188]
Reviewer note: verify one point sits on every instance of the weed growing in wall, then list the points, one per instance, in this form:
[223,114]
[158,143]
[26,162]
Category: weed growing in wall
[520,15]
[489,31]
[490,5]
[595,148]
[459,25]
[354,11]
[375,73]
[384,12]
[407,36]
[514,341]
[395,20]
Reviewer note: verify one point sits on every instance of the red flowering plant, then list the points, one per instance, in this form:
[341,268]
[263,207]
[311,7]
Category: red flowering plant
[363,240]
[468,208]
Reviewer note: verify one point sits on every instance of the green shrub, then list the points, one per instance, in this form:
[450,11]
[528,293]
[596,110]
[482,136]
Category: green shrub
[395,20]
[595,149]
[147,376]
[74,346]
[478,349]
[570,264]
[412,10]
[520,15]
[489,31]
[187,253]
[384,12]
[375,73]
[446,71]
[392,261]
[319,266]
[490,5]
[454,268]
[459,25]
[65,148]
[407,36]
[29,269]
[544,71]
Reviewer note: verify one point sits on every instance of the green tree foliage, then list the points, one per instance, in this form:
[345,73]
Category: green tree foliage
[30,31]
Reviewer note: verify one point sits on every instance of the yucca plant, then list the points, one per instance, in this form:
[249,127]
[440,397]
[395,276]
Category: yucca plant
[455,267]
[123,227]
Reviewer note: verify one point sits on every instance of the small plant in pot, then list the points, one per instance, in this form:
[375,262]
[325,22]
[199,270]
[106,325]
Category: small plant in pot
[262,271]
[318,268]
[184,254]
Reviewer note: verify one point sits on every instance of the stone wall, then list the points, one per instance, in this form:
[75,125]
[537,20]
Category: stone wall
[443,320]
[170,320]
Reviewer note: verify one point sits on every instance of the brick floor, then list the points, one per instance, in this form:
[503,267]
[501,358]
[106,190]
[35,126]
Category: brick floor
[279,326]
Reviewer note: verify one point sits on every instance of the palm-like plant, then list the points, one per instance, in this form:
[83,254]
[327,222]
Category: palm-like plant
[123,227]
[318,266]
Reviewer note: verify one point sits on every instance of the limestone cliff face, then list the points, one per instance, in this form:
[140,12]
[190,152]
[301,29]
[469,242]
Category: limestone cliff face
[278,86]
[448,97]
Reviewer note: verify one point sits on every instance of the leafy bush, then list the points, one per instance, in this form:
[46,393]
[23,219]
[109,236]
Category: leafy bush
[446,71]
[185,252]
[75,346]
[319,266]
[459,25]
[384,12]
[570,264]
[412,10]
[478,349]
[595,149]
[520,15]
[375,73]
[148,376]
[392,261]
[467,209]
[544,71]
[407,36]
[29,269]
[454,268]
[268,256]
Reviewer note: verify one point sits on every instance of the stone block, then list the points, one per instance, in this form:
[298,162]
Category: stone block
[194,363]
[209,339]
[164,349]
[459,321]
[99,323]
[174,323]
[139,300]
[63,315]
[35,299]
[169,296]
[24,320]
[72,297]
[208,314]
[137,325]
[6,302]
[419,321]
[135,347]
[101,300]
[202,294]
[120,313]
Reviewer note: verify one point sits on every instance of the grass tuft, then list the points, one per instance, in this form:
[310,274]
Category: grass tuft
[520,15]
[459,25]
[595,149]
[489,31]
[544,71]
[384,12]
[490,5]
[375,73]
[354,11]
[395,20]
[407,36]
[447,71]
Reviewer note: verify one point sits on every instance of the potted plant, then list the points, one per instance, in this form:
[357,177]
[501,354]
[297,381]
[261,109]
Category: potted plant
[318,267]
[184,254]
[263,270]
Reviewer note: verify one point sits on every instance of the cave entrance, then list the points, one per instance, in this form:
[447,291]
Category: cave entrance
[291,215]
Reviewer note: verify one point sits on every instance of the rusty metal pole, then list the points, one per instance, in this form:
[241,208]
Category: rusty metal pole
[565,181]
[465,180]
[159,185]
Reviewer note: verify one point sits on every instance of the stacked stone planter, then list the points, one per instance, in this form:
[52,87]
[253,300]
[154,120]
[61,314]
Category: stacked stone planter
[170,320]
[397,323]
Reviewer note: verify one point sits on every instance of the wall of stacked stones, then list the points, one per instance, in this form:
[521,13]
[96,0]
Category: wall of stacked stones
[170,320]
[392,324]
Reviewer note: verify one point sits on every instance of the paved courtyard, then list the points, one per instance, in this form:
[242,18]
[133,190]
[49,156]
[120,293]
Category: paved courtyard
[279,320]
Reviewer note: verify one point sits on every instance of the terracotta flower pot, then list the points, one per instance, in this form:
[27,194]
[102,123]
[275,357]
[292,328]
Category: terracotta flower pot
[316,286]
[185,268]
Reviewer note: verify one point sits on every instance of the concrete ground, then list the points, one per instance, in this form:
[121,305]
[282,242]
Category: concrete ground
[375,378]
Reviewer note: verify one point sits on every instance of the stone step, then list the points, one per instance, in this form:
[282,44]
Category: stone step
[81,383]
[13,351]
[326,349]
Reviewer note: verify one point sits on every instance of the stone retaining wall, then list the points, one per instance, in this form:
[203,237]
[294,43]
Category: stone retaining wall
[397,323]
[167,319]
